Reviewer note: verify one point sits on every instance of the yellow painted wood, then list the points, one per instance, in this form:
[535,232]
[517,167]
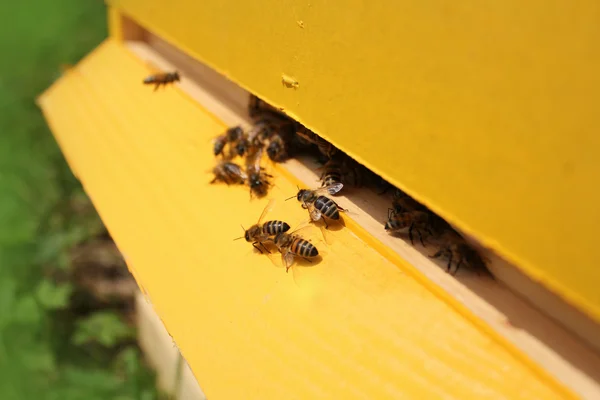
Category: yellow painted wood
[488,113]
[353,326]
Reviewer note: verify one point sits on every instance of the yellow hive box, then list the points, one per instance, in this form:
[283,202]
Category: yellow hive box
[486,113]
[362,323]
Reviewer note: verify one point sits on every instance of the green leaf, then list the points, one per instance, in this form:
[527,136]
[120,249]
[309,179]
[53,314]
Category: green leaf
[128,361]
[104,328]
[52,296]
[8,289]
[27,311]
[38,358]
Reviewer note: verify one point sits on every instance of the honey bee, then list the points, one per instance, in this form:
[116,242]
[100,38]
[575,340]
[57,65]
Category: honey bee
[258,180]
[276,150]
[404,203]
[259,233]
[280,143]
[242,145]
[332,175]
[320,206]
[292,245]
[418,221]
[455,249]
[229,172]
[231,137]
[324,146]
[162,79]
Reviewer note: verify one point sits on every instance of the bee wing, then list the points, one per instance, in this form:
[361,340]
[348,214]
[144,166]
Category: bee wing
[266,210]
[325,234]
[303,225]
[288,260]
[315,214]
[273,257]
[329,189]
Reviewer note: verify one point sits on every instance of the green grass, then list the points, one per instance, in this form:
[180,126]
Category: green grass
[44,355]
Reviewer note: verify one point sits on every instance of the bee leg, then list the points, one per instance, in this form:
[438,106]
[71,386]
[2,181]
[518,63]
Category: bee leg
[338,206]
[449,266]
[436,255]
[458,264]
[156,86]
[420,237]
[310,261]
[263,246]
[410,235]
[257,248]
[325,222]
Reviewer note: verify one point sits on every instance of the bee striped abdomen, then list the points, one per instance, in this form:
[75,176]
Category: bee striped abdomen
[272,228]
[327,207]
[304,248]
[331,177]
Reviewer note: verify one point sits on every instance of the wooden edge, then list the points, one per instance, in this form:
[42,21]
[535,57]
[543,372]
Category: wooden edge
[163,355]
[570,360]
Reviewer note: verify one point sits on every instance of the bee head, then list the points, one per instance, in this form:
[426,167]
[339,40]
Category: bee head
[234,133]
[241,147]
[273,150]
[302,195]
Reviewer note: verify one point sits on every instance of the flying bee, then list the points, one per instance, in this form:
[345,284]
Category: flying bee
[162,79]
[258,234]
[292,245]
[318,205]
[455,249]
[231,137]
[418,221]
[324,146]
[229,172]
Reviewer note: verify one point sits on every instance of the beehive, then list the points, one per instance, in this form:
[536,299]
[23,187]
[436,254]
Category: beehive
[466,108]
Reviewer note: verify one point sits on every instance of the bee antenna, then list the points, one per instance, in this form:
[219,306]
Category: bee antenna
[289,198]
[241,237]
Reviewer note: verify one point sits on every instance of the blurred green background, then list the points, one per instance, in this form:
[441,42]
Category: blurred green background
[62,335]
